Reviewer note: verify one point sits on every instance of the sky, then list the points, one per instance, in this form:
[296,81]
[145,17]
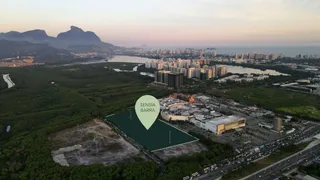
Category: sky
[172,22]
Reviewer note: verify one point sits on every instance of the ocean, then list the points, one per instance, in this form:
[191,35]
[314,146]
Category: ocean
[290,51]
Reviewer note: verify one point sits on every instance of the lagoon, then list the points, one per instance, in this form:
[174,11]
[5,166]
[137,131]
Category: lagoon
[141,61]
[244,70]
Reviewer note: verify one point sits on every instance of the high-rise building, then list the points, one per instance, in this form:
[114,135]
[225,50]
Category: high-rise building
[147,64]
[184,71]
[214,72]
[298,56]
[156,76]
[180,64]
[175,80]
[214,53]
[165,78]
[191,72]
[165,67]
[154,64]
[265,57]
[244,56]
[197,73]
[203,76]
[173,68]
[206,61]
[187,63]
[209,73]
[161,77]
[277,125]
[273,57]
[201,53]
[222,70]
[251,55]
[159,66]
[257,56]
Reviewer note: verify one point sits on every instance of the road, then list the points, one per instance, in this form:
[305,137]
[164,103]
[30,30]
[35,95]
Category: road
[294,159]
[247,156]
[278,174]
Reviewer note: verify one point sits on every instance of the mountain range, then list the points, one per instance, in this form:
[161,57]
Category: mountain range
[41,52]
[75,40]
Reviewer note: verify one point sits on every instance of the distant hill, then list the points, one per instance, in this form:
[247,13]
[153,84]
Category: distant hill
[79,36]
[31,36]
[41,52]
[38,35]
[68,40]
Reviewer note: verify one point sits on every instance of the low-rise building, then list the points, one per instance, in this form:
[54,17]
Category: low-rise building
[221,124]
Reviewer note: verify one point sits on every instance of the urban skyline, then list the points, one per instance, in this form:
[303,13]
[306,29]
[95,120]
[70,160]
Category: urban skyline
[174,23]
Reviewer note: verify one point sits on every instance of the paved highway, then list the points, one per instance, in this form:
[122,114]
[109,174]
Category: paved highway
[294,159]
[247,156]
[278,174]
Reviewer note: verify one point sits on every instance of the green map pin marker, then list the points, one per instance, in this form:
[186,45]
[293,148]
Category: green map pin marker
[147,109]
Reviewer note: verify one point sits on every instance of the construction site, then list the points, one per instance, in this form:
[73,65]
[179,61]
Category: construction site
[90,143]
[183,149]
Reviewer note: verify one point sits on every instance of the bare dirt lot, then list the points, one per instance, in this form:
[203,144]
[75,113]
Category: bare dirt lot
[183,149]
[89,143]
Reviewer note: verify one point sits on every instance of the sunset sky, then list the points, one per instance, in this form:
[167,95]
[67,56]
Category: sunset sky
[172,22]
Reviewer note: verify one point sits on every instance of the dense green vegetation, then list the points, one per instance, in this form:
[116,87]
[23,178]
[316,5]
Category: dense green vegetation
[298,104]
[256,166]
[49,99]
[36,107]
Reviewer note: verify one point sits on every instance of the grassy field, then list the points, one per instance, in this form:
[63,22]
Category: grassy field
[157,137]
[49,99]
[298,104]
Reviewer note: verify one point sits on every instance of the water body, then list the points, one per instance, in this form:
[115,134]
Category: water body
[231,69]
[84,63]
[135,69]
[7,79]
[290,51]
[244,70]
[132,59]
[129,59]
[146,74]
[124,59]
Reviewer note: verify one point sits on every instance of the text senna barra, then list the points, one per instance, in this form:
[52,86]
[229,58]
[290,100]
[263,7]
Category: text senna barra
[147,107]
